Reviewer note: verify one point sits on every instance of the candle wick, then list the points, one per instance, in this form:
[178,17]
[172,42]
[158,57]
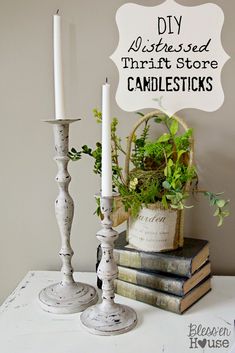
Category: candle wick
[57,12]
[106,80]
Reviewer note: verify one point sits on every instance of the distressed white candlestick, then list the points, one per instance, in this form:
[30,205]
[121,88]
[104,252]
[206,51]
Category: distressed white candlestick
[108,318]
[67,296]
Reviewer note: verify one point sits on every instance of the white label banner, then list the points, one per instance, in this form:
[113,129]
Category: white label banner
[169,57]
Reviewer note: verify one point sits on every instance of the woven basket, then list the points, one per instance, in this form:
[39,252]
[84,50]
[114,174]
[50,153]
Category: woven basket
[147,231]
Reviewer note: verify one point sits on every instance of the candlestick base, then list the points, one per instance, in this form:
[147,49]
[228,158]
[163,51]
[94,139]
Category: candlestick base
[69,298]
[114,320]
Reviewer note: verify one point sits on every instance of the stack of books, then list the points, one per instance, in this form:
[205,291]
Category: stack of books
[172,280]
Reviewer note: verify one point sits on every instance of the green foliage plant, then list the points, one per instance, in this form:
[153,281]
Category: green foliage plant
[160,169]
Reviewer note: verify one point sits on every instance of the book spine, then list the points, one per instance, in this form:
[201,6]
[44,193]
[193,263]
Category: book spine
[153,281]
[158,299]
[153,262]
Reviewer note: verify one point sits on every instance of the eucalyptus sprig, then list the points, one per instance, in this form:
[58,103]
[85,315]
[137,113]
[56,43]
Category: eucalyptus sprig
[220,205]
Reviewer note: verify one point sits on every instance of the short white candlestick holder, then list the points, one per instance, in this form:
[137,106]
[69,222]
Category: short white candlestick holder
[108,318]
[67,296]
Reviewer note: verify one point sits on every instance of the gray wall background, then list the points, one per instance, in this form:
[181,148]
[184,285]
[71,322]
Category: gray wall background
[29,234]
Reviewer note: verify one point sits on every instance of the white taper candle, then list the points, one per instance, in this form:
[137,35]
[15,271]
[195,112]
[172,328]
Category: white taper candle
[106,184]
[58,69]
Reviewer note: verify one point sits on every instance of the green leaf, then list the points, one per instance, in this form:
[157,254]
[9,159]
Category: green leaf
[220,221]
[190,206]
[158,120]
[164,138]
[179,154]
[175,206]
[164,201]
[165,171]
[170,197]
[225,213]
[220,203]
[212,201]
[217,211]
[218,193]
[174,127]
[178,196]
[207,193]
[169,173]
[166,185]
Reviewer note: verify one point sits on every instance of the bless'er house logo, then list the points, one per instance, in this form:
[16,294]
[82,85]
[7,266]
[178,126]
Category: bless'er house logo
[209,338]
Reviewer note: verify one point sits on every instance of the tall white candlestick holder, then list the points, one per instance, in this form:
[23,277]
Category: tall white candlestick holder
[67,296]
[108,318]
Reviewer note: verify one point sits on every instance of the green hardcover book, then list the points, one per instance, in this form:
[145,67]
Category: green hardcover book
[164,282]
[183,262]
[163,300]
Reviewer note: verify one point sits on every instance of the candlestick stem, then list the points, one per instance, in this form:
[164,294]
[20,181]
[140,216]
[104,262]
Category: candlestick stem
[64,207]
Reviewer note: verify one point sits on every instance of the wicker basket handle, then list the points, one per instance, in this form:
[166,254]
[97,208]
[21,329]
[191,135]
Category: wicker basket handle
[144,118]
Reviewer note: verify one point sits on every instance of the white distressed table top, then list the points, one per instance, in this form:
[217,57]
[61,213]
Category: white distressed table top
[25,328]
